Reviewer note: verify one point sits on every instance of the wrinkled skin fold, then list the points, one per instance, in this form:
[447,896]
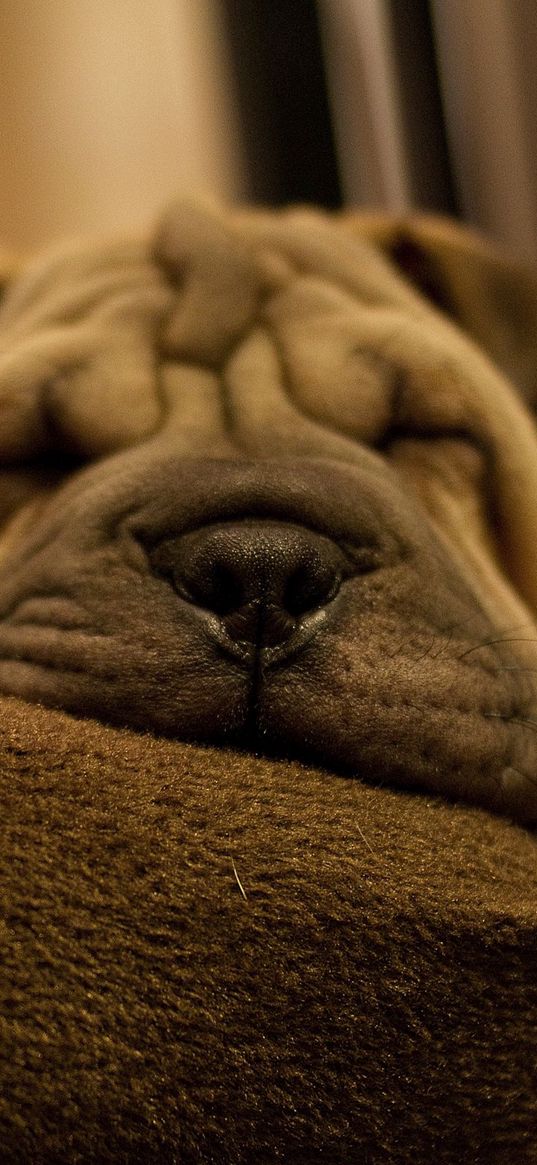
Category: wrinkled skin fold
[415,669]
[403,680]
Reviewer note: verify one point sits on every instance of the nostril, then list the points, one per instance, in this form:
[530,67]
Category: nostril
[309,587]
[217,587]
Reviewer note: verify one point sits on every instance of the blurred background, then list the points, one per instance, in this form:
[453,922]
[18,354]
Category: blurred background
[111,107]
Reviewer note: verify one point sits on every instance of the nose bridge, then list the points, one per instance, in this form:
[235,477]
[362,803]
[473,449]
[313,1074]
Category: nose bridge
[262,557]
[347,504]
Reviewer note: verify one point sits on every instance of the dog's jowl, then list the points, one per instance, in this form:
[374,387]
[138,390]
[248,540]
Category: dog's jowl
[301,532]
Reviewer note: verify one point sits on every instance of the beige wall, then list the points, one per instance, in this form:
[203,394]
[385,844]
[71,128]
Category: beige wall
[108,108]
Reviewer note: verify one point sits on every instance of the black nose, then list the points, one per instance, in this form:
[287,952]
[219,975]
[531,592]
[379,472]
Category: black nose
[260,577]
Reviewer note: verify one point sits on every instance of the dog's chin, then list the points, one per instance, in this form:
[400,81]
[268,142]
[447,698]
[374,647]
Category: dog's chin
[419,706]
[395,676]
[439,731]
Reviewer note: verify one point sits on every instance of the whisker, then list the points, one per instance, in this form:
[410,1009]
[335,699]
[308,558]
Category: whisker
[402,643]
[500,630]
[523,720]
[454,627]
[410,661]
[492,643]
[444,646]
[394,654]
[365,841]
[525,776]
[451,628]
[516,667]
[427,652]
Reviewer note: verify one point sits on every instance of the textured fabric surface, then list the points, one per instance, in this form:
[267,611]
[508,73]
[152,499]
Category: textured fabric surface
[211,957]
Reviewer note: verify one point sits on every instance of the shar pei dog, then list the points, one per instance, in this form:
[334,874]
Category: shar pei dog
[269,483]
[268,724]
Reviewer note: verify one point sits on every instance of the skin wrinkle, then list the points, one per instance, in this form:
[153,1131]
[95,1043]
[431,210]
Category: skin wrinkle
[60,335]
[287,384]
[303,247]
[227,392]
[195,420]
[322,420]
[257,319]
[56,665]
[295,423]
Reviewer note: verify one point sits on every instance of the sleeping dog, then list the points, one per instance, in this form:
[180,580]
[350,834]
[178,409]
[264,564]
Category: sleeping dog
[260,491]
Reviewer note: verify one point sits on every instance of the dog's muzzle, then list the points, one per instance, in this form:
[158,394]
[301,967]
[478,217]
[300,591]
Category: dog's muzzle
[302,608]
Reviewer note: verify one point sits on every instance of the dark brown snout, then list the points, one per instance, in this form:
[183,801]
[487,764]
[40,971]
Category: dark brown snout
[261,578]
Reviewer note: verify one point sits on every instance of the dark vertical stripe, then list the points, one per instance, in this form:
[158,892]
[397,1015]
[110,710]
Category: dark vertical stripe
[276,53]
[422,113]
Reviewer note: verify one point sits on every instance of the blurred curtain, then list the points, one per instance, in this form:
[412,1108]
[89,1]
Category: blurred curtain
[398,104]
[487,51]
[281,81]
[386,103]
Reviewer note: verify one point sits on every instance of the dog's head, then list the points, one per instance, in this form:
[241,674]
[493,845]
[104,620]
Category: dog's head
[305,512]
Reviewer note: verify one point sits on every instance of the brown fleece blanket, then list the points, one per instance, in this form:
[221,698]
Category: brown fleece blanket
[211,956]
[215,958]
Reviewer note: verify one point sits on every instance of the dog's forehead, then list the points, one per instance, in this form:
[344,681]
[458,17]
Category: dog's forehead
[292,322]
[281,307]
